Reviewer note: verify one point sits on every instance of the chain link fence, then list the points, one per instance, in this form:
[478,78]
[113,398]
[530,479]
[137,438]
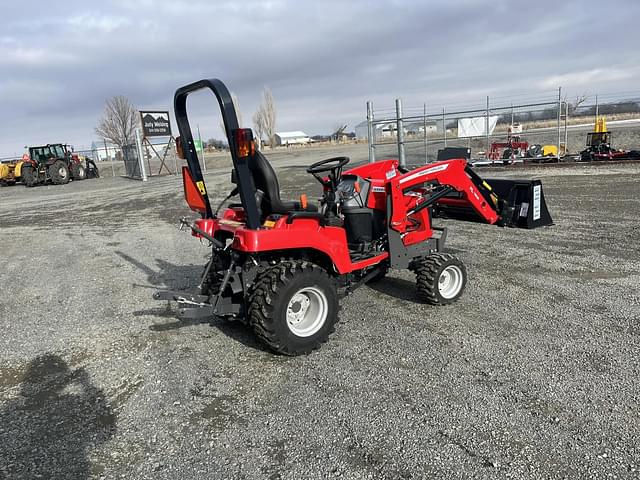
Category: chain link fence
[415,135]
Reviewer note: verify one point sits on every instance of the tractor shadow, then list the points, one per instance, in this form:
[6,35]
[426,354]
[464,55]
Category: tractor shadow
[184,277]
[397,288]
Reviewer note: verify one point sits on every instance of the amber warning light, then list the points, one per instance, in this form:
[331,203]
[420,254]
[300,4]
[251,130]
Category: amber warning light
[243,138]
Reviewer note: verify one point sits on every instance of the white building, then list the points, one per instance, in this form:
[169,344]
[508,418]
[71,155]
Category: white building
[292,138]
[382,130]
[101,150]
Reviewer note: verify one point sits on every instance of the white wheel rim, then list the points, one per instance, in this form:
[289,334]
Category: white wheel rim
[450,282]
[62,172]
[307,311]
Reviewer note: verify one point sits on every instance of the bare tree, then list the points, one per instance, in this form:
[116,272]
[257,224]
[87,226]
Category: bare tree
[573,106]
[265,117]
[258,124]
[119,121]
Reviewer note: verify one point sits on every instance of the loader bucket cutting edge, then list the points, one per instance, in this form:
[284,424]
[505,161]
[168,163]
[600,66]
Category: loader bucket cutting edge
[521,204]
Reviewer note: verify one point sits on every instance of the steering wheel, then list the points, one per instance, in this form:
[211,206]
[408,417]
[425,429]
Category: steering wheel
[333,166]
[328,165]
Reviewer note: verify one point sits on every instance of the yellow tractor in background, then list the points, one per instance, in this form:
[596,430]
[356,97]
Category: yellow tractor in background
[10,172]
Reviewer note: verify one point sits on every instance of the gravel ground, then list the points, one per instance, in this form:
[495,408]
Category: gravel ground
[532,374]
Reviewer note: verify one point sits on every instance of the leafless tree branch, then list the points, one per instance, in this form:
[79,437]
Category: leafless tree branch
[119,121]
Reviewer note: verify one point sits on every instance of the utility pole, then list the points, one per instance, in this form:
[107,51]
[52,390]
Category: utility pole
[487,128]
[371,133]
[400,133]
[424,126]
[559,115]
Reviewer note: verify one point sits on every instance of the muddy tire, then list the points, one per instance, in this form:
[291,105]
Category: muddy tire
[28,176]
[440,278]
[293,307]
[59,173]
[78,172]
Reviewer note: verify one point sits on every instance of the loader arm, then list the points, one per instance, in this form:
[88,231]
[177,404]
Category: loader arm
[451,175]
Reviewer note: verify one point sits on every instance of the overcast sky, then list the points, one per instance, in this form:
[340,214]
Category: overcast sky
[59,61]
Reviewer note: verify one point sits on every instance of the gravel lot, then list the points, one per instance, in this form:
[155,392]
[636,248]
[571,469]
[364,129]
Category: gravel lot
[533,374]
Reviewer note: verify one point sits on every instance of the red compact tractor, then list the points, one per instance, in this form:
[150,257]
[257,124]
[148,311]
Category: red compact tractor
[280,266]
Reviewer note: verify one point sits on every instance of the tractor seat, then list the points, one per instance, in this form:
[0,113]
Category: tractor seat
[265,179]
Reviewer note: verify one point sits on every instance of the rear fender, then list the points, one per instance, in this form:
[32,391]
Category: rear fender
[304,234]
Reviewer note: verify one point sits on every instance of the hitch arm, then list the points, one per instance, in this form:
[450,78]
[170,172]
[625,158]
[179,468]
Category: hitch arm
[214,241]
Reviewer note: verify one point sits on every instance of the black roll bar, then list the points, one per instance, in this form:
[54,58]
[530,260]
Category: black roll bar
[230,119]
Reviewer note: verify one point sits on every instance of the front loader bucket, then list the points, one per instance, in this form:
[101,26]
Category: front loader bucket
[523,203]
[519,203]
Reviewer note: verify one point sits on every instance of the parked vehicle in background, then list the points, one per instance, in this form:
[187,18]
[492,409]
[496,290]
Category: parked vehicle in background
[51,163]
[10,171]
[599,146]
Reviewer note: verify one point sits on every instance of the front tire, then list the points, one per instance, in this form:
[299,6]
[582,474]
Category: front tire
[78,172]
[59,173]
[440,278]
[293,307]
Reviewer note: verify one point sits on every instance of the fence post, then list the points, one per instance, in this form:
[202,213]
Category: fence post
[566,133]
[444,127]
[140,156]
[400,133]
[106,157]
[487,130]
[370,133]
[559,115]
[424,126]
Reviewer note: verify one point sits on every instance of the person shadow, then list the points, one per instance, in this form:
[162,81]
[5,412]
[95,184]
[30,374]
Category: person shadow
[47,431]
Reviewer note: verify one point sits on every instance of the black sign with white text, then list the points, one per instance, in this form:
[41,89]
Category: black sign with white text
[155,124]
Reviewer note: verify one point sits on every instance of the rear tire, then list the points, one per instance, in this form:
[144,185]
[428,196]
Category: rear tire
[28,177]
[293,307]
[440,278]
[59,173]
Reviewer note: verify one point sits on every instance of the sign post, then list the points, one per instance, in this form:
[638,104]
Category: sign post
[140,156]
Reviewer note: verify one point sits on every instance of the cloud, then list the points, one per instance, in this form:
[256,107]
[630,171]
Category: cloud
[322,60]
[88,22]
[590,78]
